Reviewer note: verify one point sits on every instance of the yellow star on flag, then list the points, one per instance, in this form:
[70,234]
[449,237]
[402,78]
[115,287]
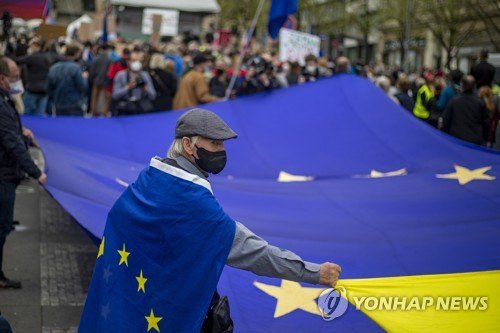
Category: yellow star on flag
[464,175]
[291,296]
[101,248]
[141,281]
[153,321]
[123,256]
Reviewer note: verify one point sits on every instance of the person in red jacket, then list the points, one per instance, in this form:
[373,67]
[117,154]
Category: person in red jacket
[116,67]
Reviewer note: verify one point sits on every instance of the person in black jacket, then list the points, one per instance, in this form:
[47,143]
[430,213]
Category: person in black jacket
[466,116]
[35,66]
[15,161]
[403,94]
[483,72]
[164,82]
[99,81]
[220,82]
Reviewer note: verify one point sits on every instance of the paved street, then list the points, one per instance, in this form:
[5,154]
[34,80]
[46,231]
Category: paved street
[53,257]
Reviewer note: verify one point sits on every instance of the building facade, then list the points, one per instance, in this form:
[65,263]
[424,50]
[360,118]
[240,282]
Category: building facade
[405,33]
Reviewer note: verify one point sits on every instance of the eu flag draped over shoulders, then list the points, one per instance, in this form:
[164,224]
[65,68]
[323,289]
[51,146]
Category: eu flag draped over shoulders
[165,244]
[278,14]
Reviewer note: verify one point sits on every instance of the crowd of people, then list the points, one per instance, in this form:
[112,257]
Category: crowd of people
[129,78]
[463,105]
[123,78]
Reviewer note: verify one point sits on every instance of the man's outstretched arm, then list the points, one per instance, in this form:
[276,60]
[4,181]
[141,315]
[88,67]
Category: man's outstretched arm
[252,253]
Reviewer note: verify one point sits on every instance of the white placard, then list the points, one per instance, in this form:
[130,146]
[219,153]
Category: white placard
[169,25]
[295,45]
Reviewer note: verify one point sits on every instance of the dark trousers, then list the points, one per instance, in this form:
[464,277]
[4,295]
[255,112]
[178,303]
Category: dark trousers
[7,198]
[75,110]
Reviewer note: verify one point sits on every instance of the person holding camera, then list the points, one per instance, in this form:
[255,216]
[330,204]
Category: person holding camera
[133,90]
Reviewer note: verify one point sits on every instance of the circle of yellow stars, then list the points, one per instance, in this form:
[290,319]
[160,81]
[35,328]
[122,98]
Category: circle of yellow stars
[152,320]
[462,174]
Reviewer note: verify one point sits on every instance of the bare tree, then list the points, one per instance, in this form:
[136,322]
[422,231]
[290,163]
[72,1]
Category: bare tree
[450,23]
[488,12]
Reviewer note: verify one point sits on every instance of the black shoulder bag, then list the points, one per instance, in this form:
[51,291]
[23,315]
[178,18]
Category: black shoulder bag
[218,317]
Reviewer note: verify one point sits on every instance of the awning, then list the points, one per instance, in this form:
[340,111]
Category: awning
[207,6]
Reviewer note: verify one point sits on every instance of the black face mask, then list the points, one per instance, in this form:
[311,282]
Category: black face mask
[212,162]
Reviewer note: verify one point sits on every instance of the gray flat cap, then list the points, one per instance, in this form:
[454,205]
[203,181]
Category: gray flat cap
[204,123]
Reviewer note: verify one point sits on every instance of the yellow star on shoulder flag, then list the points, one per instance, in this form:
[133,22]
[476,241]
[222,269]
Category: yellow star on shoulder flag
[123,256]
[291,296]
[153,321]
[101,248]
[464,175]
[141,281]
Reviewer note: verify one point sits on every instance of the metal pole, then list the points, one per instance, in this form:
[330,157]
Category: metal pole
[237,68]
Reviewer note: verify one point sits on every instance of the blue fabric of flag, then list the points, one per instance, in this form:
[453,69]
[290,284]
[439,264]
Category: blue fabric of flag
[105,28]
[278,14]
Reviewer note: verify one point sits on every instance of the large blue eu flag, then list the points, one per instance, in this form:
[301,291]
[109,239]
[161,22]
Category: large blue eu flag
[165,244]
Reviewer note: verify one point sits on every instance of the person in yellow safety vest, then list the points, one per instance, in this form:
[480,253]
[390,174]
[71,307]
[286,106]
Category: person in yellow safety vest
[425,99]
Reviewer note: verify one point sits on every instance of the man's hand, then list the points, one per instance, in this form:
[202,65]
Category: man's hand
[28,134]
[131,85]
[43,178]
[329,274]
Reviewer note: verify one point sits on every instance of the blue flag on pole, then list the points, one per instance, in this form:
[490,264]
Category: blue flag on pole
[107,11]
[165,244]
[278,14]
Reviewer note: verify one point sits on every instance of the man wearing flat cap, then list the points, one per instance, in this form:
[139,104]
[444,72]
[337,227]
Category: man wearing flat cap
[193,89]
[174,232]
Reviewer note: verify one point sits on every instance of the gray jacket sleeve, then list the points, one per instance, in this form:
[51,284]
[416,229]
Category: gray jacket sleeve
[252,253]
[120,85]
[150,88]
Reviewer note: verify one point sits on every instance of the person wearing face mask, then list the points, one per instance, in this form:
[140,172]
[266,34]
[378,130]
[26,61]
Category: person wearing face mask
[310,72]
[67,84]
[193,89]
[172,206]
[15,160]
[35,67]
[219,83]
[133,89]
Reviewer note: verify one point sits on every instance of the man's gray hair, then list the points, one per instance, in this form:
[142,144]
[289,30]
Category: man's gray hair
[176,148]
